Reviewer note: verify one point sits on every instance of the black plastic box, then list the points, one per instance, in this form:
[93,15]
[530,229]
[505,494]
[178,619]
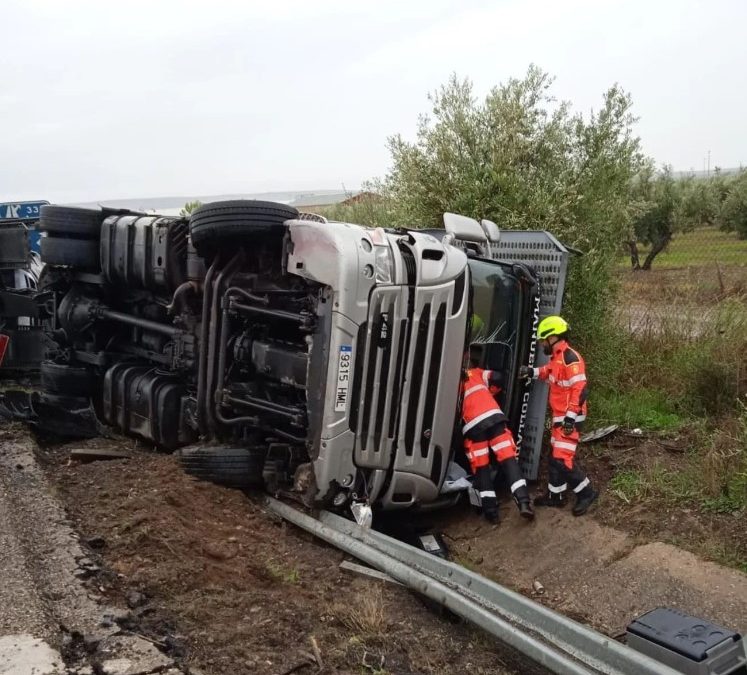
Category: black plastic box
[688,644]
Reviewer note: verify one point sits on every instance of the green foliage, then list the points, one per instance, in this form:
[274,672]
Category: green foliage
[666,208]
[733,215]
[189,207]
[649,409]
[524,160]
[628,485]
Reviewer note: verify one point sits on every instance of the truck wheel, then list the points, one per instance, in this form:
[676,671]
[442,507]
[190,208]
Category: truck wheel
[69,380]
[238,218]
[71,220]
[71,252]
[232,467]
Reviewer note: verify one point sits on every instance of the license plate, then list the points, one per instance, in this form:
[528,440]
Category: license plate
[343,378]
[4,342]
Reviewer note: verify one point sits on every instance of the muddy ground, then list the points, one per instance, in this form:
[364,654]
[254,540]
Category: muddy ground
[223,587]
[621,559]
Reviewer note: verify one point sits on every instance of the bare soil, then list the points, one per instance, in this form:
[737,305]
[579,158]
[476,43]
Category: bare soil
[720,537]
[221,586]
[226,588]
[621,559]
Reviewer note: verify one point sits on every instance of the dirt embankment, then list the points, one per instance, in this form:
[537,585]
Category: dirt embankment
[624,557]
[226,588]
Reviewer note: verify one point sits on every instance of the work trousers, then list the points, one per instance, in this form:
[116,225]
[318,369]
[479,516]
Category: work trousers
[563,471]
[504,450]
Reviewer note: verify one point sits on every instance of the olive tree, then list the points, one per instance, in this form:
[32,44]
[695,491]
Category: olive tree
[733,214]
[525,160]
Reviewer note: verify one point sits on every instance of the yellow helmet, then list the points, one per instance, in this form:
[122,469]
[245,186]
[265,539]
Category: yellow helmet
[552,325]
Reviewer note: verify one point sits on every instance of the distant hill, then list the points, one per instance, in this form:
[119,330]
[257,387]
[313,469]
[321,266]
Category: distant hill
[706,174]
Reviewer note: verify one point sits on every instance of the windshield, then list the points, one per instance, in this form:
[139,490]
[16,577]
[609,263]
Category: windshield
[495,304]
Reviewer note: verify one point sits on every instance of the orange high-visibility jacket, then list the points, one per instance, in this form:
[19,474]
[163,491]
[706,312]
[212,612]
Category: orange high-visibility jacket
[566,373]
[479,408]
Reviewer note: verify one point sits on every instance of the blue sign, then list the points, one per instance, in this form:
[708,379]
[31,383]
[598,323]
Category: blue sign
[21,210]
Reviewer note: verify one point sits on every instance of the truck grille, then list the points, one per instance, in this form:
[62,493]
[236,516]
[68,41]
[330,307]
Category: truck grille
[377,377]
[428,408]
[401,413]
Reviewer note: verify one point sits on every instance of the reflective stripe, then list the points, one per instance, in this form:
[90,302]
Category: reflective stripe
[472,390]
[486,377]
[556,490]
[487,493]
[479,419]
[535,373]
[564,445]
[502,444]
[576,378]
[575,416]
[571,414]
[581,485]
[478,453]
[569,383]
[551,378]
[518,484]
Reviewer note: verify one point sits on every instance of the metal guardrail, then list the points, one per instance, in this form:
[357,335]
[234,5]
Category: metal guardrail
[546,637]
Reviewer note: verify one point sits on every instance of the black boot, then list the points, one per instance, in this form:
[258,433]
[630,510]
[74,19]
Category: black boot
[490,513]
[518,485]
[584,500]
[526,510]
[556,499]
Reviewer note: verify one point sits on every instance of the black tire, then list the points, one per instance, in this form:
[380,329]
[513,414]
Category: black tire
[82,253]
[58,378]
[238,218]
[71,220]
[232,467]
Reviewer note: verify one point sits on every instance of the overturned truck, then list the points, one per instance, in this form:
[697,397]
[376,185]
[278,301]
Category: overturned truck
[293,349]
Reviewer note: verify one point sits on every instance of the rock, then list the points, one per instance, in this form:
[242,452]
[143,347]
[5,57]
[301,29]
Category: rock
[114,616]
[27,654]
[135,599]
[96,542]
[131,655]
[86,572]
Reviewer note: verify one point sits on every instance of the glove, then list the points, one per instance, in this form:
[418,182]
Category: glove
[569,424]
[526,373]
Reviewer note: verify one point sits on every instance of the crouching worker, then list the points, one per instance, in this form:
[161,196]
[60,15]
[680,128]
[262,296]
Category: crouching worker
[566,374]
[485,431]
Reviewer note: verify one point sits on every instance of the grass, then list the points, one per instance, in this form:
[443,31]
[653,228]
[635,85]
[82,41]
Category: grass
[701,247]
[644,408]
[288,575]
[366,617]
[712,476]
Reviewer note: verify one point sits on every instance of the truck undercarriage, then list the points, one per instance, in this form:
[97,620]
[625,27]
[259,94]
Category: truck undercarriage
[293,350]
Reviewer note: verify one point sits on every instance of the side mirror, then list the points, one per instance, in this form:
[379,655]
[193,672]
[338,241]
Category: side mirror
[492,231]
[464,228]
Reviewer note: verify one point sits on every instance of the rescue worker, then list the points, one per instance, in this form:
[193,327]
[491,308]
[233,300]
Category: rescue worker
[566,373]
[485,431]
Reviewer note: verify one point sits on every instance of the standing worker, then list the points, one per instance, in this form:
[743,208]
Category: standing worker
[566,373]
[485,430]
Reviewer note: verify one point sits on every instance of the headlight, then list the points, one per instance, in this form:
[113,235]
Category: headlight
[384,265]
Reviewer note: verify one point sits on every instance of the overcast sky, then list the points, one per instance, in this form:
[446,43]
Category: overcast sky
[114,99]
